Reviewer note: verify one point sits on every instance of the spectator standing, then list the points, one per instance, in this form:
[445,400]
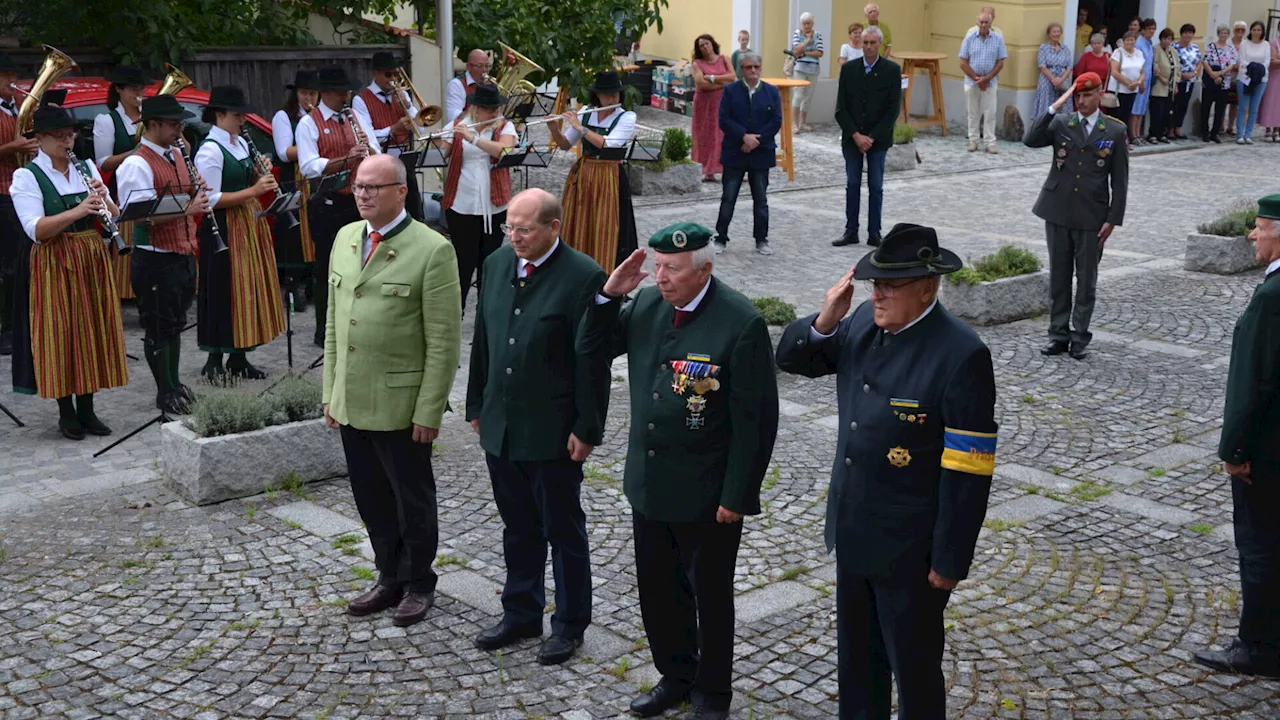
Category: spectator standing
[1146,31]
[852,50]
[1164,84]
[867,104]
[872,11]
[1190,61]
[1238,29]
[1054,61]
[1269,110]
[1096,59]
[992,12]
[1126,78]
[1219,63]
[744,46]
[806,47]
[1251,84]
[982,57]
[711,72]
[750,117]
[1084,31]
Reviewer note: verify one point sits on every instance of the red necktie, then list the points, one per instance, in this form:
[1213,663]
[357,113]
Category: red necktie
[529,268]
[681,316]
[375,237]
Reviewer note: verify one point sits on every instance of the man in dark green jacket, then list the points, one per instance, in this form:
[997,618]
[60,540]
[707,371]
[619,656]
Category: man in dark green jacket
[539,408]
[867,104]
[1250,451]
[704,416]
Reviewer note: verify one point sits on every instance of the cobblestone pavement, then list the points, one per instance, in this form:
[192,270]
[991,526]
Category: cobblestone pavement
[1106,560]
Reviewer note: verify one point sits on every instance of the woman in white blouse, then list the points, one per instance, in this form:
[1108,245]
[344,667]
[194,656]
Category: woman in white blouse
[295,251]
[1249,89]
[238,307]
[852,50]
[1128,77]
[476,192]
[115,134]
[69,318]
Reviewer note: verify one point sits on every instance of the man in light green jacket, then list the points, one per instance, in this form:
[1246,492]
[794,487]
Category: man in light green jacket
[391,350]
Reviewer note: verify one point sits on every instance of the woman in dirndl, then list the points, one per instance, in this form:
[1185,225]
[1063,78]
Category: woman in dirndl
[295,252]
[115,135]
[74,335]
[238,307]
[604,230]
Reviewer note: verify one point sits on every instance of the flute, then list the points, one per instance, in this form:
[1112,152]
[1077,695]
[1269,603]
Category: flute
[583,111]
[220,245]
[104,215]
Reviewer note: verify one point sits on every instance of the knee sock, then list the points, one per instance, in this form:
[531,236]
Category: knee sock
[157,360]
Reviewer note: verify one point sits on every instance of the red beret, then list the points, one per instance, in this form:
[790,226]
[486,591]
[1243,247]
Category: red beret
[1087,81]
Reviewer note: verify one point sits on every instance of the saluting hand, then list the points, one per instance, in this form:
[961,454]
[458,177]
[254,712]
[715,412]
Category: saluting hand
[836,305]
[627,276]
[1063,98]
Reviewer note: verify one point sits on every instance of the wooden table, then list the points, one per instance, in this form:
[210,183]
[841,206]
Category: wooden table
[929,62]
[786,153]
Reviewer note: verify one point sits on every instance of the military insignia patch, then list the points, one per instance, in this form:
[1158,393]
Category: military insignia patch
[696,403]
[899,457]
[679,238]
[899,402]
[695,422]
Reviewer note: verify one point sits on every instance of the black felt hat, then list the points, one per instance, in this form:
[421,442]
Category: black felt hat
[383,60]
[333,77]
[230,98]
[164,107]
[487,96]
[127,75]
[303,80]
[908,251]
[8,65]
[51,115]
[606,83]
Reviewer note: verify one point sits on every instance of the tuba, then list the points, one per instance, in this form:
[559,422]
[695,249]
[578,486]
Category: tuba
[513,69]
[173,83]
[56,64]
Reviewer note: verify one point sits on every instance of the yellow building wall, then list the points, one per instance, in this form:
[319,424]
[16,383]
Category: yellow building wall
[1250,10]
[1195,12]
[1023,23]
[776,37]
[907,19]
[684,20]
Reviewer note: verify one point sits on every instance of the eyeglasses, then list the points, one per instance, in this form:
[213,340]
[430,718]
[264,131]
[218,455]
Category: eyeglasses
[480,66]
[370,190]
[885,288]
[522,230]
[63,134]
[744,66]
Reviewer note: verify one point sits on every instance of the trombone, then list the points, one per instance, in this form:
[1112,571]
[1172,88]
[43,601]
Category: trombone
[407,96]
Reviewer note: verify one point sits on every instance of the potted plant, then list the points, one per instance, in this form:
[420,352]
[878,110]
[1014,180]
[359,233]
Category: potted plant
[235,444]
[673,173]
[903,155]
[1222,246]
[1006,286]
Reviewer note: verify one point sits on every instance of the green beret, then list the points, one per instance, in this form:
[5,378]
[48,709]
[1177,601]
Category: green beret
[1268,207]
[681,237]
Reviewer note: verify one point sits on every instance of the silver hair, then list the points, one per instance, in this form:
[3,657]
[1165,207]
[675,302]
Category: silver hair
[1097,36]
[1240,24]
[703,256]
[750,56]
[806,17]
[1222,29]
[873,30]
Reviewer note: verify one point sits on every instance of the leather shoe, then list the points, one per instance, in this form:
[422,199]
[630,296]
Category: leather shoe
[413,608]
[1079,352]
[502,635]
[1057,347]
[1236,659]
[704,713]
[849,238]
[376,600]
[873,239]
[666,695]
[557,649]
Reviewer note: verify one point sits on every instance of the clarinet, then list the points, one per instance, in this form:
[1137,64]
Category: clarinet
[104,215]
[261,162]
[219,244]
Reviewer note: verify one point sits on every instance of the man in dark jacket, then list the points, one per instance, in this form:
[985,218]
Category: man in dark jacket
[539,408]
[1250,451]
[750,116]
[912,472]
[867,105]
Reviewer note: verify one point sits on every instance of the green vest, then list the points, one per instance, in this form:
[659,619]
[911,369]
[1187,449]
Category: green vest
[55,203]
[124,140]
[591,151]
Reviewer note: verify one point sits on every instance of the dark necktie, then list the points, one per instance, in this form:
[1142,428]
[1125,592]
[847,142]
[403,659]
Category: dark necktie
[8,105]
[529,268]
[682,316]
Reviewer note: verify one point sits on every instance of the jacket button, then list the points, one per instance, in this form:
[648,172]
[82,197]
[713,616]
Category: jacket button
[359,294]
[395,291]
[866,388]
[655,396]
[353,321]
[651,426]
[508,371]
[853,426]
[517,311]
[351,348]
[511,341]
[652,453]
[848,462]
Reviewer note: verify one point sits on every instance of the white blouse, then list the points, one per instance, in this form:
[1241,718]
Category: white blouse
[282,134]
[1252,52]
[209,160]
[1131,67]
[474,196]
[618,137]
[104,133]
[28,200]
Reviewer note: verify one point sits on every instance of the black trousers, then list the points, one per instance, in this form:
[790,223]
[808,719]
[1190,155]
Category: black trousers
[540,504]
[412,202]
[1256,518]
[395,492]
[684,572]
[12,239]
[758,178]
[889,628]
[1123,112]
[327,216]
[472,245]
[1181,102]
[1161,112]
[1212,97]
[165,284]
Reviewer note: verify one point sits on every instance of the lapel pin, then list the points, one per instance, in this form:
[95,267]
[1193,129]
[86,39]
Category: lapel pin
[391,254]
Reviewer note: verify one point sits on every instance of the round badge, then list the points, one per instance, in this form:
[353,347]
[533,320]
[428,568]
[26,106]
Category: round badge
[1062,152]
[1102,163]
[679,238]
[327,131]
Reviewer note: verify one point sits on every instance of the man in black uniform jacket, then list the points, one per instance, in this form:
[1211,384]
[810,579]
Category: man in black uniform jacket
[912,471]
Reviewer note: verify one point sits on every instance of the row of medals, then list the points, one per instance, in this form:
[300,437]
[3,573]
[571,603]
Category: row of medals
[683,381]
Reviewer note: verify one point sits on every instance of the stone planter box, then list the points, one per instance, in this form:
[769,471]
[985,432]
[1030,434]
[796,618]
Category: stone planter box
[675,180]
[1004,300]
[1219,255]
[210,470]
[900,157]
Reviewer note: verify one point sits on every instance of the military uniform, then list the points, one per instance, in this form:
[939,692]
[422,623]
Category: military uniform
[704,417]
[909,485]
[1074,203]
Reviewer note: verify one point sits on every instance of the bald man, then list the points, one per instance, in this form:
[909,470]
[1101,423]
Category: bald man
[988,10]
[455,95]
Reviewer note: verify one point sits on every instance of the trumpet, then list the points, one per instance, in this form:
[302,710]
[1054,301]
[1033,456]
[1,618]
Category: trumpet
[109,227]
[583,111]
[357,132]
[220,245]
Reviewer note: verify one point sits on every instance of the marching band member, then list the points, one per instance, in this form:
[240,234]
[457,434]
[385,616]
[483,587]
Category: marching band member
[12,240]
[114,137]
[328,144]
[604,230]
[456,92]
[76,338]
[295,252]
[475,192]
[163,259]
[238,307]
[390,113]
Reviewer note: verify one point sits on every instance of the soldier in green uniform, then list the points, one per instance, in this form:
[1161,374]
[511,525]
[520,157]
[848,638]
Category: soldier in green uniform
[1090,152]
[1250,451]
[704,416]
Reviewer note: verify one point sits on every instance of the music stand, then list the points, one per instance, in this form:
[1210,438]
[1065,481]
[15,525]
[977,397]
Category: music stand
[329,184]
[284,202]
[646,148]
[432,156]
[12,417]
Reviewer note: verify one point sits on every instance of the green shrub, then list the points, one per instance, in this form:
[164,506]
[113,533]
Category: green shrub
[297,399]
[678,144]
[903,134]
[1009,261]
[226,412]
[774,310]
[1237,220]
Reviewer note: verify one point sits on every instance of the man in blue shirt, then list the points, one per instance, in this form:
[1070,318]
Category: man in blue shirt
[982,56]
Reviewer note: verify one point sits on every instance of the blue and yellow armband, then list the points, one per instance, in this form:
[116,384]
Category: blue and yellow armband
[969,452]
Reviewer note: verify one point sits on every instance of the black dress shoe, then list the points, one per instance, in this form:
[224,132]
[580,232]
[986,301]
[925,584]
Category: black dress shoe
[502,635]
[557,649]
[849,238]
[1079,352]
[873,239]
[412,608]
[376,600]
[1057,347]
[703,713]
[172,403]
[666,695]
[1236,659]
[71,428]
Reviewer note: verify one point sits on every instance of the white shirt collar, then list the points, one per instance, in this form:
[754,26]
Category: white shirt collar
[1274,266]
[325,111]
[697,300]
[923,315]
[5,109]
[539,261]
[46,163]
[1090,120]
[368,228]
[158,148]
[223,138]
[377,92]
